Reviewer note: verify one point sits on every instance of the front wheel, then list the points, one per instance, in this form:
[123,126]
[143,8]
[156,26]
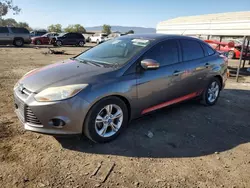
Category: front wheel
[106,120]
[212,92]
[58,43]
[38,42]
[97,42]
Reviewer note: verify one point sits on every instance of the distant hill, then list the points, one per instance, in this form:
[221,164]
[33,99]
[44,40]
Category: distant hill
[124,29]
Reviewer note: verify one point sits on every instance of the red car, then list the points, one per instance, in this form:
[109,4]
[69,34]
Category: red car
[44,39]
[232,49]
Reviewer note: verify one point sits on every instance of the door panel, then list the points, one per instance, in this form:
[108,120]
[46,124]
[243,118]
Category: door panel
[68,39]
[166,83]
[197,64]
[158,86]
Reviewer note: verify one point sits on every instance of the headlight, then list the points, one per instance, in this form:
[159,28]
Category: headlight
[59,93]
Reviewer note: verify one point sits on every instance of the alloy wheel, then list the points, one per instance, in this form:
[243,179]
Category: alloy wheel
[109,120]
[213,92]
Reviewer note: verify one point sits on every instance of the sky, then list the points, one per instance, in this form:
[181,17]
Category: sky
[141,13]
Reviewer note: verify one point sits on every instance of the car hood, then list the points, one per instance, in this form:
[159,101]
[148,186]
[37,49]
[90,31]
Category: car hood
[64,73]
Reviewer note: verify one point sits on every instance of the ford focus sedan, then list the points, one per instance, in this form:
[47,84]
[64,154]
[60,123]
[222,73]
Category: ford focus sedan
[99,91]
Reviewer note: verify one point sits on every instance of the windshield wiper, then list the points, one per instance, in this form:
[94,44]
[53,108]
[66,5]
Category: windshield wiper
[90,62]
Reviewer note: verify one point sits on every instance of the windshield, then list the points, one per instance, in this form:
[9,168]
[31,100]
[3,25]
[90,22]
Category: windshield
[116,51]
[61,34]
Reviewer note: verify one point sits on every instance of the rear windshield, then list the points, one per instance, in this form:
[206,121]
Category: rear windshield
[19,30]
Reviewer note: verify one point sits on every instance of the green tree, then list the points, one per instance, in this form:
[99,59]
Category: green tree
[9,22]
[24,24]
[6,6]
[106,29]
[55,28]
[130,32]
[75,28]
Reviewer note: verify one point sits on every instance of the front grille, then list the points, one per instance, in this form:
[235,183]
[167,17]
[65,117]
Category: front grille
[30,117]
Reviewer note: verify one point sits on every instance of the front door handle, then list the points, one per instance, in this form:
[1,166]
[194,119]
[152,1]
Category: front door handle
[176,73]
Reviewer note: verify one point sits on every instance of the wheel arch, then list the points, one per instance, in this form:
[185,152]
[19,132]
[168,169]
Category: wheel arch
[220,79]
[17,38]
[124,99]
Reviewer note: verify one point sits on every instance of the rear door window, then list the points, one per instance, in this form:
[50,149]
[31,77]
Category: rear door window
[4,30]
[191,50]
[165,53]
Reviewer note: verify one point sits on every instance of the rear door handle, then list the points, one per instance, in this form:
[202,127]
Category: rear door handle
[176,73]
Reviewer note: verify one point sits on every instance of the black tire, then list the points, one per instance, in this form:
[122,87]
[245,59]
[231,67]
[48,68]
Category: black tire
[97,42]
[58,43]
[38,42]
[231,55]
[81,43]
[205,95]
[89,124]
[18,42]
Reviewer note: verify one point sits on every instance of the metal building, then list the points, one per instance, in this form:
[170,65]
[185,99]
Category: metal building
[223,24]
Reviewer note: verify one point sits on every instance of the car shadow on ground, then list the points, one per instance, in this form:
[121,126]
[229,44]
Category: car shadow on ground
[184,130]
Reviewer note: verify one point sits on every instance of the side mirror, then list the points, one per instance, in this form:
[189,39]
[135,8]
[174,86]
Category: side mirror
[150,64]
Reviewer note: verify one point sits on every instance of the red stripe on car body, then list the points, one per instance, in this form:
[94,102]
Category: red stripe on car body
[174,101]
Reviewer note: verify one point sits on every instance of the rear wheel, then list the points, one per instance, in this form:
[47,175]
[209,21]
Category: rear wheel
[231,55]
[106,120]
[81,43]
[212,92]
[18,42]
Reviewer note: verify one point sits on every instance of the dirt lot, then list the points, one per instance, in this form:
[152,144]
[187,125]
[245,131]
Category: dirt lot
[192,145]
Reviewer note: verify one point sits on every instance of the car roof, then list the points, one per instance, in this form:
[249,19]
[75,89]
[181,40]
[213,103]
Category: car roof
[158,36]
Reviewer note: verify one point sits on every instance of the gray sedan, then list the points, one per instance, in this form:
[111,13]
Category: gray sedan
[99,91]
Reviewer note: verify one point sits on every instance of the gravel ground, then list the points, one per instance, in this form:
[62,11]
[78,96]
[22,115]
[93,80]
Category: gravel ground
[187,145]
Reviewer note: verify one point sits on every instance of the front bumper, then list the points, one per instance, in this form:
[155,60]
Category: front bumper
[37,116]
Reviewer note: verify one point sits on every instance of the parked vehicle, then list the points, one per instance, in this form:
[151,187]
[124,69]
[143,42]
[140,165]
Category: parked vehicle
[99,91]
[113,35]
[14,35]
[38,33]
[44,39]
[69,39]
[87,37]
[233,50]
[98,38]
